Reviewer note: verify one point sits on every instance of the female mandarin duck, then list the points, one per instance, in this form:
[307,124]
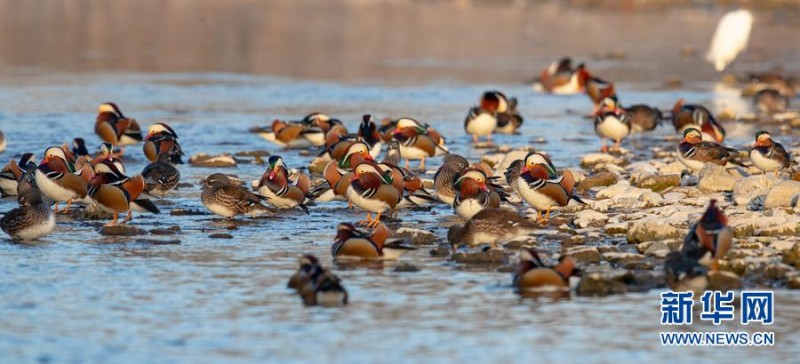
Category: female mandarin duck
[474,194]
[443,181]
[686,116]
[769,155]
[353,243]
[711,237]
[540,186]
[32,220]
[280,189]
[533,274]
[57,180]
[115,128]
[694,153]
[490,226]
[156,135]
[222,197]
[372,190]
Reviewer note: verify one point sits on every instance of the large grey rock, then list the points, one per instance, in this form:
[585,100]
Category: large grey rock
[784,194]
[586,218]
[652,228]
[751,187]
[714,178]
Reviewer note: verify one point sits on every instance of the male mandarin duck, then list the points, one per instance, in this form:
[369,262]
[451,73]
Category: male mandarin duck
[115,128]
[709,238]
[353,243]
[686,116]
[79,148]
[612,123]
[371,189]
[32,220]
[57,180]
[490,226]
[222,197]
[156,135]
[694,153]
[532,274]
[162,176]
[474,194]
[310,131]
[107,154]
[117,193]
[368,133]
[11,174]
[642,117]
[560,78]
[280,189]
[539,185]
[494,114]
[769,155]
[323,288]
[338,173]
[598,89]
[418,141]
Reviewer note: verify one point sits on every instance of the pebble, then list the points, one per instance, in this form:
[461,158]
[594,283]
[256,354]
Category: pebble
[122,230]
[723,281]
[490,256]
[159,241]
[590,160]
[209,161]
[652,228]
[221,236]
[784,194]
[186,212]
[659,183]
[584,255]
[172,230]
[596,284]
[586,218]
[751,187]
[602,179]
[406,267]
[416,236]
[715,178]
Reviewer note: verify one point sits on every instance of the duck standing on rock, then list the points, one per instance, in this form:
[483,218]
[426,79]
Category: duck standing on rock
[280,190]
[222,197]
[611,123]
[32,220]
[490,226]
[532,274]
[117,193]
[539,185]
[115,128]
[769,155]
[694,153]
[710,238]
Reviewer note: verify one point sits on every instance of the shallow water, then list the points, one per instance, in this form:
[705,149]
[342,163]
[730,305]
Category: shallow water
[80,297]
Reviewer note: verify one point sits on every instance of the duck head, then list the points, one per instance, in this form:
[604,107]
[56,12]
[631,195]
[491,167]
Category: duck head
[160,129]
[692,136]
[763,139]
[110,107]
[539,163]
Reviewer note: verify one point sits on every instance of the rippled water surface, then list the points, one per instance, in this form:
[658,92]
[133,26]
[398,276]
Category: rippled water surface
[78,296]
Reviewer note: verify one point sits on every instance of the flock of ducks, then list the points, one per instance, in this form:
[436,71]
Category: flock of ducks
[353,173]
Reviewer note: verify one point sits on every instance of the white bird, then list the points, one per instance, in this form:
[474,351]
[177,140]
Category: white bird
[730,38]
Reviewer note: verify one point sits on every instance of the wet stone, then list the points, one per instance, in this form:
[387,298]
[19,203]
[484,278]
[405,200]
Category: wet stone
[122,230]
[792,256]
[406,267]
[416,236]
[777,271]
[622,258]
[186,212]
[172,230]
[210,161]
[659,183]
[784,194]
[221,236]
[585,255]
[440,251]
[253,153]
[723,281]
[596,284]
[715,178]
[490,256]
[793,282]
[602,179]
[159,241]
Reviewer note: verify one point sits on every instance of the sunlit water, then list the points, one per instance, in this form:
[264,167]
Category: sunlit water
[81,297]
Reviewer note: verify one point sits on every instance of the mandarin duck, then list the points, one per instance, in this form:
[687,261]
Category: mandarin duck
[12,173]
[162,176]
[57,180]
[280,190]
[769,155]
[353,243]
[532,274]
[490,226]
[371,189]
[115,128]
[694,153]
[222,197]
[710,238]
[474,194]
[32,220]
[685,116]
[156,135]
[539,185]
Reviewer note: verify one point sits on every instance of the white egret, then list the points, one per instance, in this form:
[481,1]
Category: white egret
[730,38]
